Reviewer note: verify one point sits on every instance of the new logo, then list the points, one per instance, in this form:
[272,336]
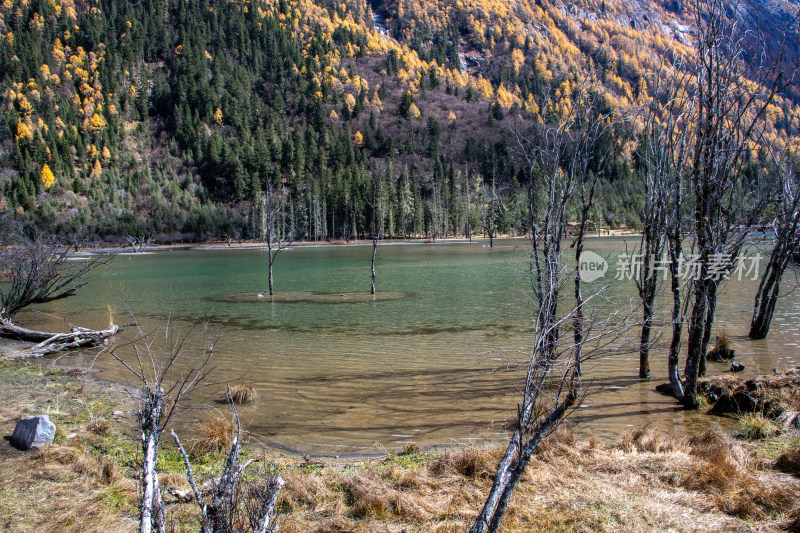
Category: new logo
[592,266]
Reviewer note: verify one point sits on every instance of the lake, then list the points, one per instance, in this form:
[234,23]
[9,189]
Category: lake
[342,374]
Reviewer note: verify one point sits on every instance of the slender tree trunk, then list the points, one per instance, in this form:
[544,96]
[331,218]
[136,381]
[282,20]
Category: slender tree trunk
[271,261]
[512,466]
[677,317]
[647,292]
[697,329]
[707,325]
[644,341]
[151,512]
[767,295]
[374,251]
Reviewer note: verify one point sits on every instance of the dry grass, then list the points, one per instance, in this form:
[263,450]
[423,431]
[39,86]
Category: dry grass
[755,426]
[240,393]
[73,485]
[724,471]
[643,482]
[647,440]
[789,462]
[98,425]
[722,341]
[216,433]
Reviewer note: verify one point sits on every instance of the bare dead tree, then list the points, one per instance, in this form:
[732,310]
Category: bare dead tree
[786,226]
[377,202]
[662,144]
[491,211]
[168,366]
[222,514]
[554,366]
[668,144]
[590,150]
[730,103]
[140,241]
[42,271]
[166,372]
[272,203]
[552,390]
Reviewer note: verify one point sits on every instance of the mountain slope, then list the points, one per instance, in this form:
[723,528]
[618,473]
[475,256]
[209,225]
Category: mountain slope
[172,117]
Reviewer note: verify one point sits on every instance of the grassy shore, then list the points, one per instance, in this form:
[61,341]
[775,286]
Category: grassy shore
[86,480]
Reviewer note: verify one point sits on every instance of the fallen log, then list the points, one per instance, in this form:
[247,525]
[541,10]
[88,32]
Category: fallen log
[49,343]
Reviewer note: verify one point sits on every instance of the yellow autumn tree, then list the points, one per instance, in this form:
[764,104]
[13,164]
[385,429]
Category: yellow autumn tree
[97,123]
[97,170]
[47,176]
[413,112]
[23,131]
[218,116]
[358,139]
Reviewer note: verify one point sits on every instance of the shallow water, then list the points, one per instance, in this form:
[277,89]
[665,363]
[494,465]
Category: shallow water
[339,373]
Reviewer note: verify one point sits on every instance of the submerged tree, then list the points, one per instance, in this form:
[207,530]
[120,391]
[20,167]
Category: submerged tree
[491,212]
[655,154]
[786,225]
[377,202]
[729,101]
[560,163]
[40,270]
[272,204]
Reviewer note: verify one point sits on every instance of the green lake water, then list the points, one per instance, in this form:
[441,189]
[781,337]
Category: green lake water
[339,373]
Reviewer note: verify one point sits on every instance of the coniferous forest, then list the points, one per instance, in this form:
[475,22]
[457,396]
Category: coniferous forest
[171,119]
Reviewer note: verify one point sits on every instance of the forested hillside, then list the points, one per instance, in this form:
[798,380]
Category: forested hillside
[172,117]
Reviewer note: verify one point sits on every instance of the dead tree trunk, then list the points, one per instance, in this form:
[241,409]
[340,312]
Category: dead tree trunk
[372,263]
[787,241]
[376,200]
[768,290]
[151,510]
[273,214]
[41,271]
[513,465]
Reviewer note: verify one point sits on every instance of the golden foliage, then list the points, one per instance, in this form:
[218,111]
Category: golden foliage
[47,176]
[97,170]
[23,131]
[97,122]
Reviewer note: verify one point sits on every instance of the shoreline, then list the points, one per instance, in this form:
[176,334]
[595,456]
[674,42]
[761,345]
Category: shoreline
[217,245]
[645,480]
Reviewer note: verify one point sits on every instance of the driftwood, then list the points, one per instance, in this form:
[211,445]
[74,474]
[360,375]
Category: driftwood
[53,342]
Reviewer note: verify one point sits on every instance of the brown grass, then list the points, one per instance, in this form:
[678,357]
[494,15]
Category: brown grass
[216,433]
[724,472]
[471,463]
[98,425]
[789,462]
[240,393]
[722,341]
[643,482]
[647,440]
